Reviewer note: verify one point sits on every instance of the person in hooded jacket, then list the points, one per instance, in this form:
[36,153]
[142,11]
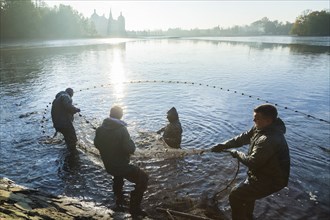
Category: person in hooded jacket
[115,146]
[173,131]
[268,161]
[62,116]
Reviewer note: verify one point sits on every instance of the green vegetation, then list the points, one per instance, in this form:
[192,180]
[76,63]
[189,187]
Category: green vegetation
[316,23]
[22,19]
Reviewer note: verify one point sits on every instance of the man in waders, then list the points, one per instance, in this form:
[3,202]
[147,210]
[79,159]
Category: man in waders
[172,132]
[62,116]
[268,161]
[115,145]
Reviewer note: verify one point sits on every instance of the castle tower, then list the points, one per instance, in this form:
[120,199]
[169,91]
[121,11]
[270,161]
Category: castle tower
[109,27]
[121,24]
[100,23]
[111,22]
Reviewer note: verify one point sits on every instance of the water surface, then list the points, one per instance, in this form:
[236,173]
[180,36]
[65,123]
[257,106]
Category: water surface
[213,83]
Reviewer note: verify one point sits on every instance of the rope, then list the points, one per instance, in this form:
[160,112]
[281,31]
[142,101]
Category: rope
[43,126]
[44,119]
[168,212]
[229,184]
[211,86]
[181,214]
[214,198]
[87,121]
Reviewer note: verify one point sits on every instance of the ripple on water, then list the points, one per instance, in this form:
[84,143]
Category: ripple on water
[178,179]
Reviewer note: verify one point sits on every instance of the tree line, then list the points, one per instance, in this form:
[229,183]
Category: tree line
[310,23]
[260,27]
[316,23]
[24,19]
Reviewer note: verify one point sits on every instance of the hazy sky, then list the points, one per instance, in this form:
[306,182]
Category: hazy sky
[144,15]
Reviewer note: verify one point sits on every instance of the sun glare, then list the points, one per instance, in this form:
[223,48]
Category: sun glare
[117,74]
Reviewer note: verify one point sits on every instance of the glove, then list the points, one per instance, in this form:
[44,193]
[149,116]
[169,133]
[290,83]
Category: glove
[234,153]
[218,148]
[77,109]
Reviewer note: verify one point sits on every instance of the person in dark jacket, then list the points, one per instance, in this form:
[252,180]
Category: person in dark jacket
[268,161]
[173,131]
[115,145]
[62,116]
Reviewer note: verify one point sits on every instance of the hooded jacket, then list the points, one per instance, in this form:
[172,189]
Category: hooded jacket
[268,157]
[173,134]
[62,110]
[115,145]
[173,131]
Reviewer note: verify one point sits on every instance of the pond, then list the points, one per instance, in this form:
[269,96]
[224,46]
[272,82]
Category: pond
[213,82]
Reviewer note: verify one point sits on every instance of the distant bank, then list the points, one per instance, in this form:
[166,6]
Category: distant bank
[25,20]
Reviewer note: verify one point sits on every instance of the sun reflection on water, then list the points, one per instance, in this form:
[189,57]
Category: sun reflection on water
[117,74]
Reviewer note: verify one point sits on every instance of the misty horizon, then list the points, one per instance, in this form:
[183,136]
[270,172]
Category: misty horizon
[187,15]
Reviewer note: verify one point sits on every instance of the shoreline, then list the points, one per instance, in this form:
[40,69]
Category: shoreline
[88,42]
[18,202]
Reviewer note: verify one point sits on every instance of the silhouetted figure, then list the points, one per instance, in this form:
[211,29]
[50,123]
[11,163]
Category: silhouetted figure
[268,161]
[62,117]
[172,132]
[115,145]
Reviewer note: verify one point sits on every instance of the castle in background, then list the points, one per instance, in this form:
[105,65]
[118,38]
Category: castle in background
[109,27]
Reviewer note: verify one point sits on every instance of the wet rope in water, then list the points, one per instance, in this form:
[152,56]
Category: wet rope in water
[230,183]
[44,119]
[216,195]
[210,86]
[88,121]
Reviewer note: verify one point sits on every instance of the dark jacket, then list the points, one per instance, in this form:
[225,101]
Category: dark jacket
[63,110]
[173,134]
[115,145]
[268,157]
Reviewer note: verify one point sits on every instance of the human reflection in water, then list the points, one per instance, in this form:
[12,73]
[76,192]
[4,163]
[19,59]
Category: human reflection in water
[71,161]
[173,131]
[70,172]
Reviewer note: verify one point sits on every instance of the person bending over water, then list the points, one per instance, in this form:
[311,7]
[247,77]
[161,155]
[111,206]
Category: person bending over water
[62,116]
[115,145]
[172,132]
